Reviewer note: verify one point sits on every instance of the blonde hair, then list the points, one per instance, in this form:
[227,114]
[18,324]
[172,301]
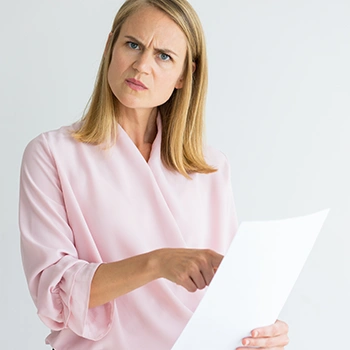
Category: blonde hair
[182,115]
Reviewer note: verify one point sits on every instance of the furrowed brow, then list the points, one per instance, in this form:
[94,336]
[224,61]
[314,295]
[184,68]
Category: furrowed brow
[167,51]
[137,41]
[133,39]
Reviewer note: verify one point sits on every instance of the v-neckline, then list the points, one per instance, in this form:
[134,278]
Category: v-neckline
[155,146]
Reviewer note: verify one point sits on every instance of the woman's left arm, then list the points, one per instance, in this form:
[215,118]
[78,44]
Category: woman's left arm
[274,337]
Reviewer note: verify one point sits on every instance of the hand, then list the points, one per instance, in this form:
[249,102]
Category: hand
[274,337]
[191,268]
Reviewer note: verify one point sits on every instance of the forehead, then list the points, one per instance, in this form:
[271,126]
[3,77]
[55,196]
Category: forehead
[150,24]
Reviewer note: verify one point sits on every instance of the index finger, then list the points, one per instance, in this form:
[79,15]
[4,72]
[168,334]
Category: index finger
[216,259]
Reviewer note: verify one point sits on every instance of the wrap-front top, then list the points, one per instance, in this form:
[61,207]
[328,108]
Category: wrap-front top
[81,206]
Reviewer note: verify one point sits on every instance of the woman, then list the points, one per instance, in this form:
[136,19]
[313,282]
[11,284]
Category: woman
[125,216]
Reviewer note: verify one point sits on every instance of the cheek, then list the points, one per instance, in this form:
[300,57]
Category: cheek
[113,81]
[117,66]
[166,85]
[165,91]
[114,73]
[169,80]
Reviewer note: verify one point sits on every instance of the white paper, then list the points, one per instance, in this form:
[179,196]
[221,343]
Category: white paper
[252,283]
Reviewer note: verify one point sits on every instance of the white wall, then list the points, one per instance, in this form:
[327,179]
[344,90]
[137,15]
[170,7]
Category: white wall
[278,106]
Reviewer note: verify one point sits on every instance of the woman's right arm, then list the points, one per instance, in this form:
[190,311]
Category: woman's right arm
[191,268]
[73,293]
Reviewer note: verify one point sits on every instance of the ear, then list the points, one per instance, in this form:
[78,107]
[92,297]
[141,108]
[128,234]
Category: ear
[180,83]
[108,42]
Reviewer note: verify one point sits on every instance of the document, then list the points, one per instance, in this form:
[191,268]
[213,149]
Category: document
[252,283]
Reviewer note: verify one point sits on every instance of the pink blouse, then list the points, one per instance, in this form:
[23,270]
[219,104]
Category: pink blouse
[81,206]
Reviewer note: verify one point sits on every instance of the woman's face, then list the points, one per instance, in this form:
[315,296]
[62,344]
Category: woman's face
[147,60]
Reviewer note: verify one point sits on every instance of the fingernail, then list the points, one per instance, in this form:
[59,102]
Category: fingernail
[245,342]
[255,334]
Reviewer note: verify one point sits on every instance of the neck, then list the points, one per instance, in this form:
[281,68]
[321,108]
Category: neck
[139,124]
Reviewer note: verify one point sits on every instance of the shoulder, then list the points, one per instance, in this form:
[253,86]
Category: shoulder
[220,162]
[215,157]
[63,135]
[40,148]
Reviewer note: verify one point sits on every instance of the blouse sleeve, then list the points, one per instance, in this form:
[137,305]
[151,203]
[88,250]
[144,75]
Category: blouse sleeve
[58,280]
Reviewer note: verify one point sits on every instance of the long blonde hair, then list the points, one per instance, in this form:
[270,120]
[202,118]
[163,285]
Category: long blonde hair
[182,115]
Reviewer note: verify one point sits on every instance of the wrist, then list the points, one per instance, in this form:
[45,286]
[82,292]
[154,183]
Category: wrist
[155,263]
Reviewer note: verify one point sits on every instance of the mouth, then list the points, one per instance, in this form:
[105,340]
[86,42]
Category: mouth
[135,84]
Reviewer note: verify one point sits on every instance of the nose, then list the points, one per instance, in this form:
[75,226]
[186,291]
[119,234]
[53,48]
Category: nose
[143,62]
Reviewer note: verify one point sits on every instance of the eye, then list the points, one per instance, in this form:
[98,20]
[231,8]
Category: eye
[132,45]
[164,57]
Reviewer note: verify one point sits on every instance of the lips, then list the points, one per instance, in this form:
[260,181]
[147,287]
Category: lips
[135,84]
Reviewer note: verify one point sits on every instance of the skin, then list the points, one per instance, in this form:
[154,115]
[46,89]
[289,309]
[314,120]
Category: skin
[152,49]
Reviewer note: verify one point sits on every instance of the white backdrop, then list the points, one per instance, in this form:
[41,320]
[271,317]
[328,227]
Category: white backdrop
[278,107]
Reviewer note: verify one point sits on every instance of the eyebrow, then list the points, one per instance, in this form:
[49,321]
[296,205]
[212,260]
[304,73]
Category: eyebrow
[166,51]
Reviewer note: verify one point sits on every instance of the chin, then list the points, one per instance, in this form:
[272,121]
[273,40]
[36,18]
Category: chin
[133,104]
